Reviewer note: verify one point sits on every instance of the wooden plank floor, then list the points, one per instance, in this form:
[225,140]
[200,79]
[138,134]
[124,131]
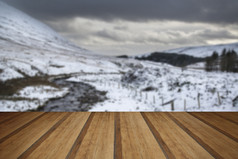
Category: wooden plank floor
[83,135]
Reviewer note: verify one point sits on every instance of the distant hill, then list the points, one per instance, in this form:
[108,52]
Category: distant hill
[179,60]
[203,51]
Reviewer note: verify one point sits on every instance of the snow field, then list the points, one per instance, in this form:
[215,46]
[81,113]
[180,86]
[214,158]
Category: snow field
[31,98]
[130,97]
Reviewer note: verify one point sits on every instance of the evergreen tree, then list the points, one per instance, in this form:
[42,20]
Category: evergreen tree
[211,62]
[214,55]
[208,65]
[223,62]
[223,52]
[227,61]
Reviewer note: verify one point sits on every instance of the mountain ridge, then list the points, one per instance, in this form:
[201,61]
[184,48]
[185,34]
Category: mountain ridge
[203,51]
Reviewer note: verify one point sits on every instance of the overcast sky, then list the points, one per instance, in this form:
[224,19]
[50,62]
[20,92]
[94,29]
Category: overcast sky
[116,27]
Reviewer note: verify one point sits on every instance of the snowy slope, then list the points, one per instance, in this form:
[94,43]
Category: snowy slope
[203,51]
[17,27]
[29,49]
[34,48]
[148,87]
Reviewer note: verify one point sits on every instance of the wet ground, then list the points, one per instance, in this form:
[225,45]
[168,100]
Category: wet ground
[81,97]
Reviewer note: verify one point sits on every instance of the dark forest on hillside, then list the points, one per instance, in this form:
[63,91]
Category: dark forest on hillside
[226,62]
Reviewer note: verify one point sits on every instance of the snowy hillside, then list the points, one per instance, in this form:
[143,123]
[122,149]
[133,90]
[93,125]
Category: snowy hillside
[19,28]
[151,87]
[203,51]
[40,70]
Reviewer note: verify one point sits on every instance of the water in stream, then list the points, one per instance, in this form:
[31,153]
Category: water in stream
[81,97]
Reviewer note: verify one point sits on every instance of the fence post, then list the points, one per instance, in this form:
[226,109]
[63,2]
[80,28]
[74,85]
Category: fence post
[172,105]
[219,99]
[199,106]
[184,104]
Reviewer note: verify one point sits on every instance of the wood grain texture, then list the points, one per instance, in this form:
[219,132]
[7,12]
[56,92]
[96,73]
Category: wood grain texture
[224,126]
[179,142]
[219,145]
[118,135]
[158,137]
[117,138]
[20,142]
[78,141]
[12,124]
[59,143]
[231,116]
[4,116]
[99,140]
[137,139]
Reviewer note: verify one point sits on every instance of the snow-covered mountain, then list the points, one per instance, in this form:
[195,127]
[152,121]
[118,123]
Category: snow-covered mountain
[30,47]
[203,51]
[41,70]
[19,28]
[187,55]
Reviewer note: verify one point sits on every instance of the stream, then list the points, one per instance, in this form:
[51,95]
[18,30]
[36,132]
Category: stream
[81,97]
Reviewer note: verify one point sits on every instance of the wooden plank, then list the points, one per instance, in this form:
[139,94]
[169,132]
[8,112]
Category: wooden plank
[16,123]
[99,140]
[78,141]
[178,141]
[20,142]
[117,138]
[159,139]
[226,127]
[59,143]
[231,116]
[137,139]
[219,145]
[4,116]
[119,135]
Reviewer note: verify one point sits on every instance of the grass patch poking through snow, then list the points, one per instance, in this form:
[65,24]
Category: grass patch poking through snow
[10,87]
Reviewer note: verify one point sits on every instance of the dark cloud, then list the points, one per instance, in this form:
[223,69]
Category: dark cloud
[212,11]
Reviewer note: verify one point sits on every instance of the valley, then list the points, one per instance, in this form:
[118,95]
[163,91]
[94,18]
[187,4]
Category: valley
[42,71]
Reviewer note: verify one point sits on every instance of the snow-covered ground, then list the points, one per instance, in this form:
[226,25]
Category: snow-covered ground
[30,49]
[30,98]
[127,92]
[41,92]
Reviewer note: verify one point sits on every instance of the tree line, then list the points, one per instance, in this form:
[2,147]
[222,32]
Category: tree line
[226,62]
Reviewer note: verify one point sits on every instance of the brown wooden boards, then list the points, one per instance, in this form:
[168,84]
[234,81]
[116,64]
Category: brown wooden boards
[59,143]
[118,135]
[228,128]
[13,124]
[219,145]
[20,142]
[178,141]
[137,139]
[232,116]
[99,139]
[7,115]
